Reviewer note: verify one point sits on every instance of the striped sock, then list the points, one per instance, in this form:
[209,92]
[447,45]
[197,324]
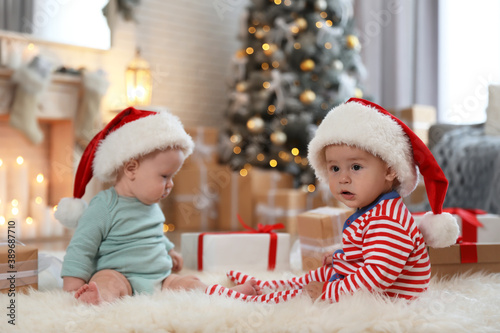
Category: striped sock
[271,298]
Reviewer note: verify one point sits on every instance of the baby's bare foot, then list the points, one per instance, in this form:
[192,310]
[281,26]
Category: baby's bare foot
[89,293]
[250,287]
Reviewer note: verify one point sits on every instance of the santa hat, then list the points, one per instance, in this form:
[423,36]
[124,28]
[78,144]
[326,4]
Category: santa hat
[131,134]
[368,126]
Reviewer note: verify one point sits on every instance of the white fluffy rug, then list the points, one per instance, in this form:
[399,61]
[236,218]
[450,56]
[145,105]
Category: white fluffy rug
[462,304]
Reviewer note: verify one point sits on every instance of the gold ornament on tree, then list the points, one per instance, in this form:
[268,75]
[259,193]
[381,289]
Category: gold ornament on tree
[307,97]
[278,138]
[337,65]
[320,5]
[255,124]
[241,86]
[307,65]
[260,33]
[301,23]
[352,42]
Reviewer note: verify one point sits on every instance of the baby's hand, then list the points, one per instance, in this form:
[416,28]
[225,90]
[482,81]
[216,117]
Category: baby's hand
[328,260]
[314,289]
[177,261]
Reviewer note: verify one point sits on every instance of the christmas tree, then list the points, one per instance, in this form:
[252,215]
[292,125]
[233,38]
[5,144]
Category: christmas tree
[300,58]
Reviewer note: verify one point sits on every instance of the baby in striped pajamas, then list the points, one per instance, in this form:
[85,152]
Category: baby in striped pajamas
[370,160]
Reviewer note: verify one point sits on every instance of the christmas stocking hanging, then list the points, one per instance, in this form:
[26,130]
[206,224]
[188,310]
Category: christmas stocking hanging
[88,121]
[31,82]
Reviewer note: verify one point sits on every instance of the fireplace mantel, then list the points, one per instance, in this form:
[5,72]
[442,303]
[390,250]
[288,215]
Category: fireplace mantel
[60,101]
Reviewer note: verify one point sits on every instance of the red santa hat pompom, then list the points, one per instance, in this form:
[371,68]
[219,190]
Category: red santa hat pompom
[131,134]
[368,126]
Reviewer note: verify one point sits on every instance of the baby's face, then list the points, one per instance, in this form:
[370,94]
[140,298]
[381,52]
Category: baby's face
[356,177]
[154,177]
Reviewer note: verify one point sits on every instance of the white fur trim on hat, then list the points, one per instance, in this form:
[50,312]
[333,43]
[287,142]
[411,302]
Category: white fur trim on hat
[139,138]
[69,211]
[362,126]
[440,230]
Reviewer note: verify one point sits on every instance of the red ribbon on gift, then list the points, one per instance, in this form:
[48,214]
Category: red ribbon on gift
[468,253]
[261,229]
[470,223]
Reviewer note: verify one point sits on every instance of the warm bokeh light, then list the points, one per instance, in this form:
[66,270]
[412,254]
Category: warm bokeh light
[38,200]
[39,178]
[20,160]
[311,188]
[237,150]
[273,163]
[243,172]
[29,220]
[295,151]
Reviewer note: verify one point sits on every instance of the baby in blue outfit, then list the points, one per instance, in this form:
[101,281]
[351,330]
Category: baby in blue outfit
[119,248]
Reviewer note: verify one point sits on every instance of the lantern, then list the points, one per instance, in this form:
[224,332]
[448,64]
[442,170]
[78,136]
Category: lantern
[138,81]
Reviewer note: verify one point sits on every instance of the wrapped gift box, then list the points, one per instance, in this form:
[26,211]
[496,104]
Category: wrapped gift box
[488,233]
[193,203]
[235,198]
[239,251]
[264,180]
[462,258]
[418,196]
[419,118]
[280,206]
[23,274]
[320,232]
[205,145]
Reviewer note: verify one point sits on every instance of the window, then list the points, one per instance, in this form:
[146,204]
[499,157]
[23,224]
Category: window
[469,58]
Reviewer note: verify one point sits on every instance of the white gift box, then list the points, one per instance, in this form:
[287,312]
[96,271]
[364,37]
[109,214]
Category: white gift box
[238,251]
[488,233]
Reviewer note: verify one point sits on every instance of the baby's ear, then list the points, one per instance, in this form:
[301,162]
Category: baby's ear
[130,168]
[391,174]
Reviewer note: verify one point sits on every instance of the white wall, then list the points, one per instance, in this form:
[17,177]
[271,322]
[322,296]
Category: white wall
[189,45]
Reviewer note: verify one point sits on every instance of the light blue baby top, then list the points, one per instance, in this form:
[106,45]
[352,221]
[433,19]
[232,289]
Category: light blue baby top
[122,234]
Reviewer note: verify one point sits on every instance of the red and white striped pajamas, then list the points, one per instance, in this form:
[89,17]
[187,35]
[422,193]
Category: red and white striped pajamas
[383,251]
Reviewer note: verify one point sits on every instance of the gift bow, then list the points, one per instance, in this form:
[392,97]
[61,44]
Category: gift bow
[261,228]
[470,223]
